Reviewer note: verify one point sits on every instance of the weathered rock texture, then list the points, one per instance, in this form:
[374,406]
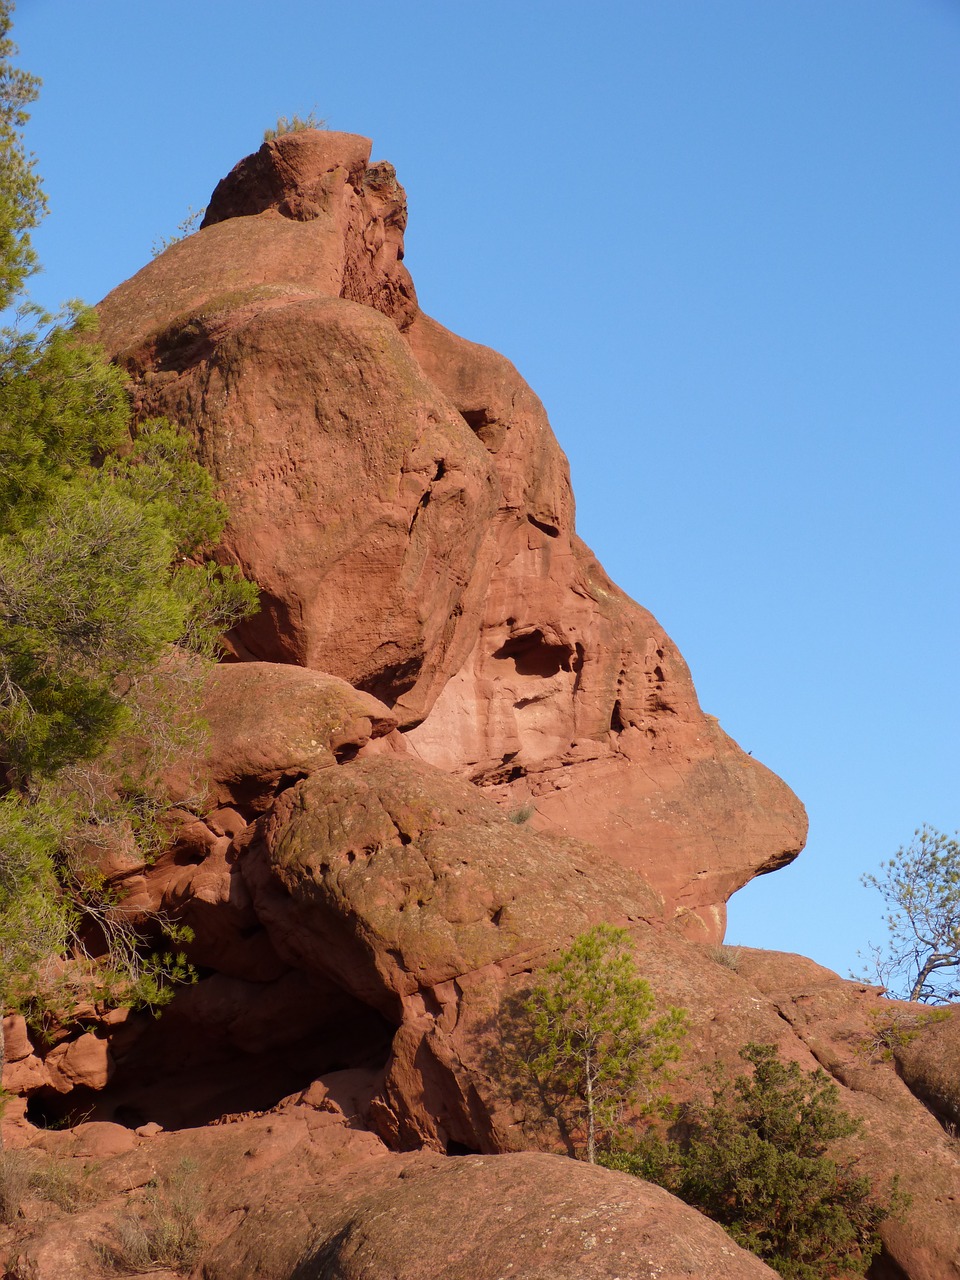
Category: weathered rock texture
[299,1195]
[435,649]
[399,496]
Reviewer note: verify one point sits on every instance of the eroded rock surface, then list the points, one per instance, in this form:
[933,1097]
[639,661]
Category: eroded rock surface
[399,496]
[446,746]
[300,1195]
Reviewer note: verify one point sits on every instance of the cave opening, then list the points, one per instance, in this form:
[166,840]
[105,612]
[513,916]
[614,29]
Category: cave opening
[533,655]
[455,1148]
[182,1071]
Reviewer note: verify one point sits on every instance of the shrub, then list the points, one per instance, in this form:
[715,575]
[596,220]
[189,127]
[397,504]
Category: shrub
[294,124]
[729,957]
[890,1031]
[522,814]
[162,1231]
[597,1047]
[759,1160]
[14,1184]
[53,1181]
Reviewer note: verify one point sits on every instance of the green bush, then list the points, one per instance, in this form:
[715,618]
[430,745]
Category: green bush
[294,124]
[760,1160]
[597,1047]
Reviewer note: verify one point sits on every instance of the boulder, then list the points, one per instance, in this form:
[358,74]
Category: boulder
[537,1216]
[84,1063]
[926,1048]
[268,725]
[299,1196]
[16,1038]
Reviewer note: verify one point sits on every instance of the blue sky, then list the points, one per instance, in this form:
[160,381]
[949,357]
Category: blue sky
[719,238]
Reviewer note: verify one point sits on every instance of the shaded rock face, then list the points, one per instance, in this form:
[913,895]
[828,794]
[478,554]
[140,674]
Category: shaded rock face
[400,498]
[929,1062]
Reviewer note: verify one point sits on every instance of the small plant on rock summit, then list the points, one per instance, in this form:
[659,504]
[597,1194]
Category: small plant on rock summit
[294,124]
[185,228]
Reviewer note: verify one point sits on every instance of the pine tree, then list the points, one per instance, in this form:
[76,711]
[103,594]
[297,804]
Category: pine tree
[103,582]
[597,1046]
[921,886]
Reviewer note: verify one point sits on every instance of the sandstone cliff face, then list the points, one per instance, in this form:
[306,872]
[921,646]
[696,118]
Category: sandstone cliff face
[399,496]
[436,647]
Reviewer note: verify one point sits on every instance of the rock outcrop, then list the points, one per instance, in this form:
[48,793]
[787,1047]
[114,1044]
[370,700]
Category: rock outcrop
[299,1195]
[400,498]
[446,746]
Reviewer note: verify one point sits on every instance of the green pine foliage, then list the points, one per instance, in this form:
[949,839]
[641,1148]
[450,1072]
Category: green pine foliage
[599,1050]
[35,918]
[101,571]
[22,202]
[762,1160]
[109,606]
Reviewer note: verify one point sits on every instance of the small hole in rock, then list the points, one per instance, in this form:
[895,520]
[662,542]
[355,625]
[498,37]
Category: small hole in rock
[455,1148]
[550,530]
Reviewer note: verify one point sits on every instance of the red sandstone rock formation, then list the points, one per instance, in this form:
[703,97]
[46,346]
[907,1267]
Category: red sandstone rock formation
[300,1195]
[399,496]
[436,646]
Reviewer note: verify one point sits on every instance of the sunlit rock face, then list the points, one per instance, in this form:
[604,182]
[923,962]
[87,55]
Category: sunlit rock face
[446,746]
[400,497]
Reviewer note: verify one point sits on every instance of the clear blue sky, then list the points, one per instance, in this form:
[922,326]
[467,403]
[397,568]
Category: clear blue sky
[720,239]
